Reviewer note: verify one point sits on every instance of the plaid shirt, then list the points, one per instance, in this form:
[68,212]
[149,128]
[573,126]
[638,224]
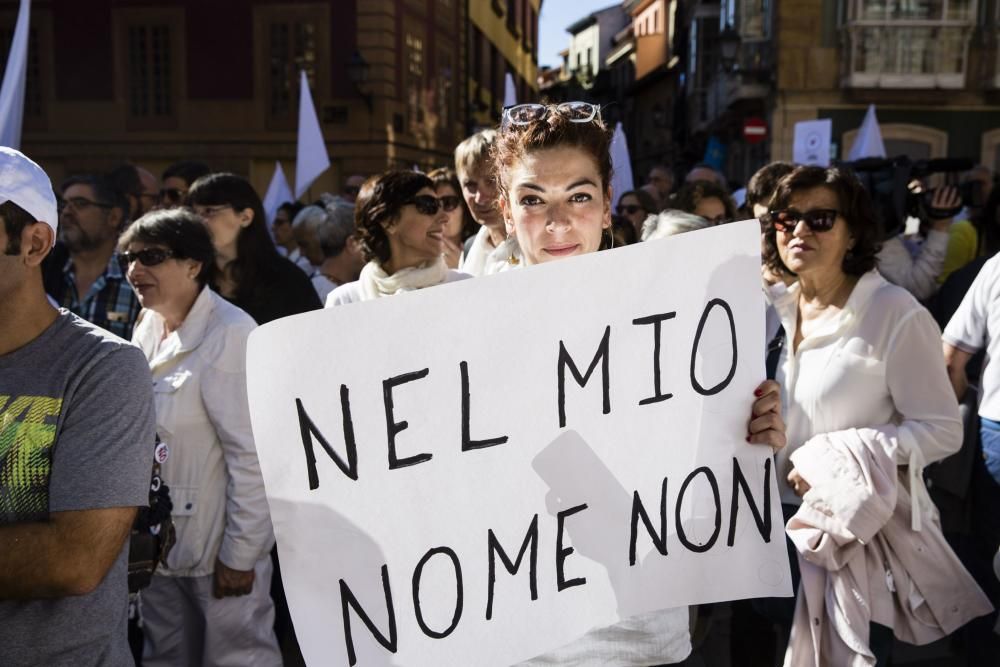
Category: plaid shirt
[110,302]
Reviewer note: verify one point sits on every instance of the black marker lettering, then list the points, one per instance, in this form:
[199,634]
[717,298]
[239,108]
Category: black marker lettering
[566,360]
[697,340]
[638,511]
[495,549]
[562,552]
[657,322]
[459,601]
[347,599]
[308,430]
[467,442]
[392,427]
[699,548]
[762,519]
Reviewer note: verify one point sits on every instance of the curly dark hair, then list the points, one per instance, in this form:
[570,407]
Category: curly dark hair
[854,203]
[390,192]
[180,231]
[691,194]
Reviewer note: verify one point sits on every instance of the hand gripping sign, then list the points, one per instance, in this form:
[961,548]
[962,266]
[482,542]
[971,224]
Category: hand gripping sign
[486,470]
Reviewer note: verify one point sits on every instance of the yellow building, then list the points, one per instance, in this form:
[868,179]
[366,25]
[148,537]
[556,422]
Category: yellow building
[502,37]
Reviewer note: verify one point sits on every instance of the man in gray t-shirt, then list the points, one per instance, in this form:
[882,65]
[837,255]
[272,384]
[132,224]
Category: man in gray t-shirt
[76,437]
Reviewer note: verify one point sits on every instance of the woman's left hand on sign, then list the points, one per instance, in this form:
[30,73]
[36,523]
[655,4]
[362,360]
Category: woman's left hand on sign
[766,427]
[229,582]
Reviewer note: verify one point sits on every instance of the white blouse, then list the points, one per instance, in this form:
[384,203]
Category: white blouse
[879,362]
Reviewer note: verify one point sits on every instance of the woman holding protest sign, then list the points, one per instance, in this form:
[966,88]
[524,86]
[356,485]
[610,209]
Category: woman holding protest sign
[210,602]
[401,228]
[553,171]
[868,404]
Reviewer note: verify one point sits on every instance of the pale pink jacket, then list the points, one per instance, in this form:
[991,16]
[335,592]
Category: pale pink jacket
[862,560]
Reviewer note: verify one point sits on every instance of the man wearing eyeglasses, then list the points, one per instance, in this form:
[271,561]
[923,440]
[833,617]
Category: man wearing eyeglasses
[77,429]
[89,282]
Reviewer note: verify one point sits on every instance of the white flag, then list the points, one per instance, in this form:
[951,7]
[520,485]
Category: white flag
[509,91]
[312,158]
[12,92]
[868,143]
[621,165]
[277,194]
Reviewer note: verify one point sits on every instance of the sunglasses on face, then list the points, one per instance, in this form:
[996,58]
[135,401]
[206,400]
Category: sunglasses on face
[352,190]
[148,257]
[817,220]
[428,205]
[525,114]
[629,209]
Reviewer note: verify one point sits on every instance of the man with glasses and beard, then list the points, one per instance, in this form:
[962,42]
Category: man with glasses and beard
[85,277]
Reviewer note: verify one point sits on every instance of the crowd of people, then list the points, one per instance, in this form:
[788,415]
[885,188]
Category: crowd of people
[126,302]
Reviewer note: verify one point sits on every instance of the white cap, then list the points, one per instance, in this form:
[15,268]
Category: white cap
[27,185]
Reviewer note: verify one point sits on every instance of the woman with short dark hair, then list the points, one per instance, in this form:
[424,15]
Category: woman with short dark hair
[707,199]
[636,206]
[460,225]
[864,389]
[251,274]
[217,575]
[401,230]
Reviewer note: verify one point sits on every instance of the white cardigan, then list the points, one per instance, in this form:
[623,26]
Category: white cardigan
[878,363]
[203,415]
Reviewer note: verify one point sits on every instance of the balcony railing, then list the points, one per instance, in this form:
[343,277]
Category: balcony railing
[904,54]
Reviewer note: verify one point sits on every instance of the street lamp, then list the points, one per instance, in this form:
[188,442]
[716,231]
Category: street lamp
[357,71]
[729,47]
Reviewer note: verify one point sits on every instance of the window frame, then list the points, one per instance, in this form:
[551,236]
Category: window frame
[125,18]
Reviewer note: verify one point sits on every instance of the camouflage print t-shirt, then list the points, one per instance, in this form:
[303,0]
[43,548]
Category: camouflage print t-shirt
[76,433]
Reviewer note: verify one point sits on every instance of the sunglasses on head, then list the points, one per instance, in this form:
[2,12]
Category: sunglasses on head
[817,219]
[629,209]
[148,257]
[428,205]
[525,114]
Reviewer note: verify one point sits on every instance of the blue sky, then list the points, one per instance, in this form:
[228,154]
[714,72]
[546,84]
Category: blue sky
[556,15]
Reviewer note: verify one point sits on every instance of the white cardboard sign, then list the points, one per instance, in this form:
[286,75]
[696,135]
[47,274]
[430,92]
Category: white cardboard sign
[483,471]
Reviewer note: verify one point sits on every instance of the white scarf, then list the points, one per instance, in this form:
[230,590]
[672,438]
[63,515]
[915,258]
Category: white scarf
[375,282]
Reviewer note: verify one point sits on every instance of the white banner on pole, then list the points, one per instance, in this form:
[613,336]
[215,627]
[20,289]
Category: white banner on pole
[509,91]
[311,158]
[622,180]
[14,76]
[453,483]
[868,142]
[277,193]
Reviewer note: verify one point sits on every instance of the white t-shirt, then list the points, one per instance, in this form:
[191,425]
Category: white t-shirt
[878,363]
[975,325]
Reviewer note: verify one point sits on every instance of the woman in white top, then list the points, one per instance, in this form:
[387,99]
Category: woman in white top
[209,603]
[401,228]
[553,169]
[859,352]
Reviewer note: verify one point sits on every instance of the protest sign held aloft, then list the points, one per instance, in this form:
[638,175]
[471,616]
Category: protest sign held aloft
[447,497]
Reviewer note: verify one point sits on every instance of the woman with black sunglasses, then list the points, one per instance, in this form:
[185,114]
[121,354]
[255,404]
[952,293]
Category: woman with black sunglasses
[217,575]
[635,206]
[864,390]
[401,228]
[460,225]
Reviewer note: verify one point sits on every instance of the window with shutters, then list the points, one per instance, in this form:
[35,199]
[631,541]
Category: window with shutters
[150,47]
[909,43]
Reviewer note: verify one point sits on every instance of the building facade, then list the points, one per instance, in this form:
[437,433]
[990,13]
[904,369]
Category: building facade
[931,69]
[502,38]
[153,82]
